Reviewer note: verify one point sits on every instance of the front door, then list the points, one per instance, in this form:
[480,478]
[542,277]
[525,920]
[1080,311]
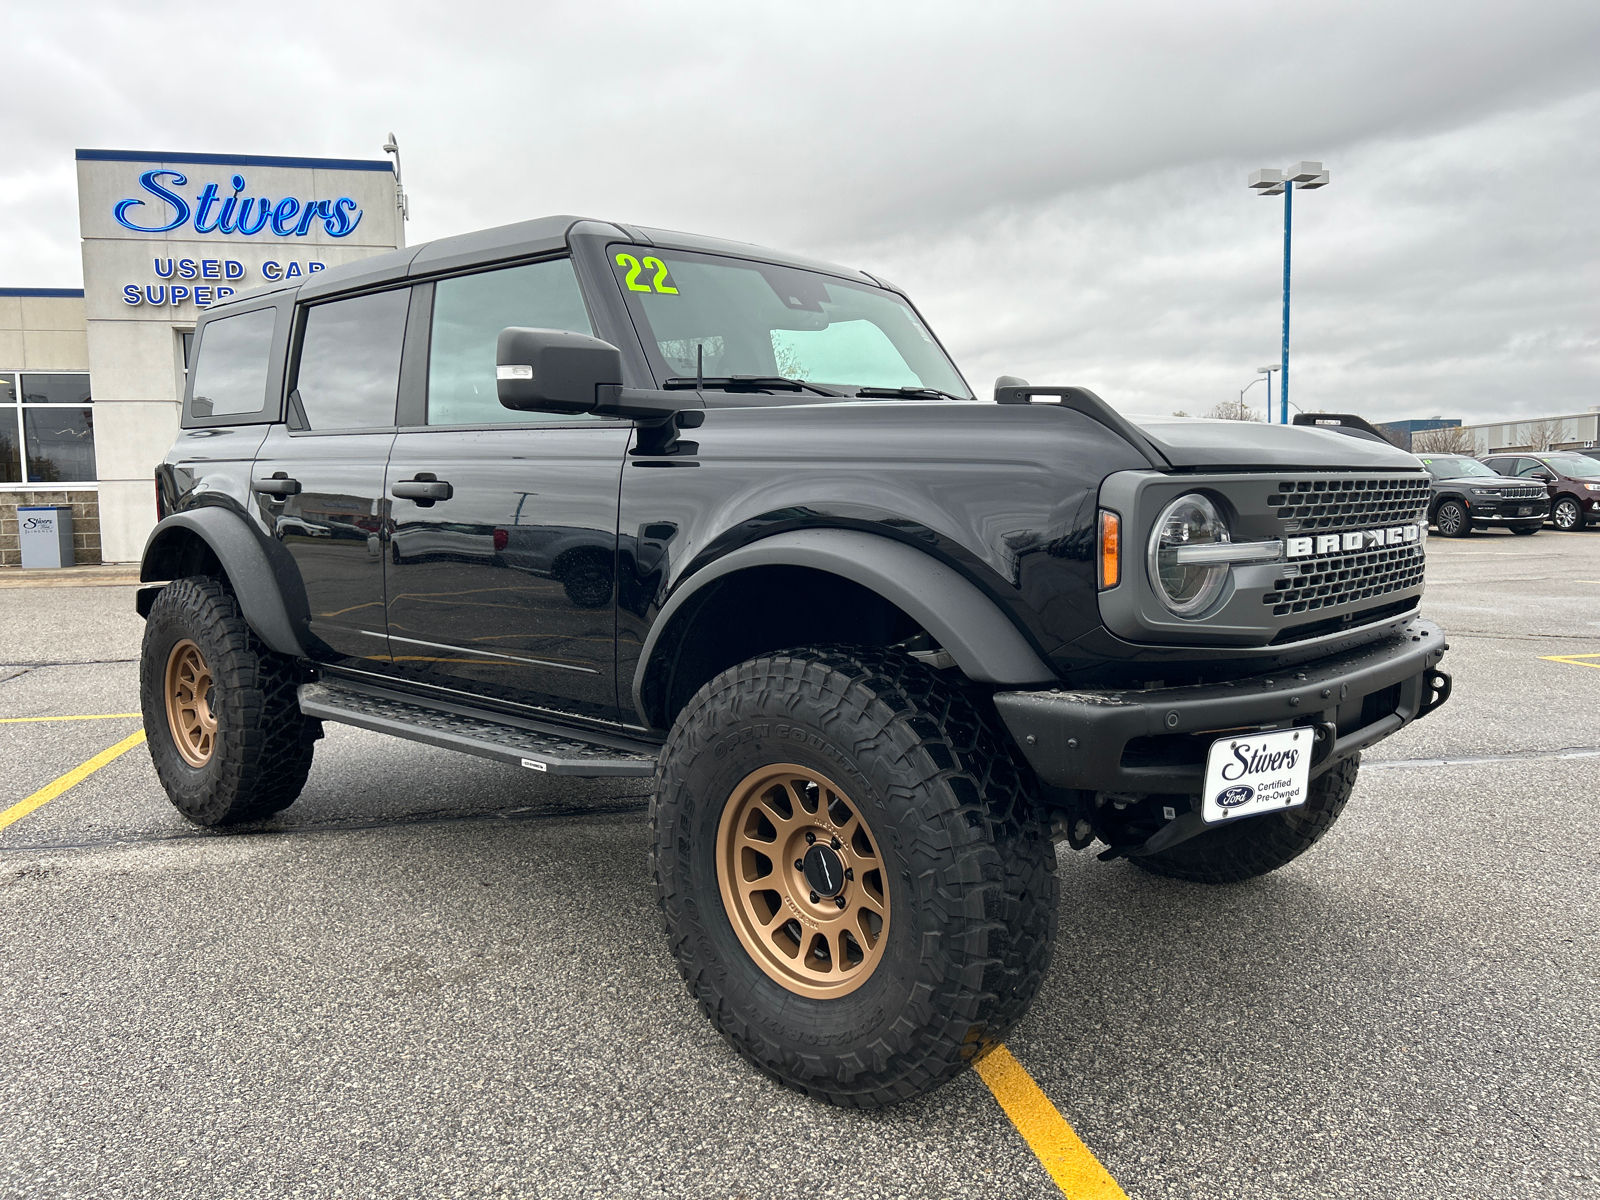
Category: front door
[320,481]
[501,574]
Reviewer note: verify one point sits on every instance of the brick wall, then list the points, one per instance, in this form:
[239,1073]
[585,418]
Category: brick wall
[85,524]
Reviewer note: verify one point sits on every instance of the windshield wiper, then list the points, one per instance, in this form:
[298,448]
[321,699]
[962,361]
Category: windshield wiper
[746,383]
[904,393]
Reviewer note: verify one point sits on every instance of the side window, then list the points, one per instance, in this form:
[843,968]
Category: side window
[1503,465]
[349,369]
[1527,466]
[230,374]
[468,314]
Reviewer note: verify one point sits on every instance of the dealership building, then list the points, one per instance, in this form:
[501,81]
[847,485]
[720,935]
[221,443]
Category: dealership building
[91,378]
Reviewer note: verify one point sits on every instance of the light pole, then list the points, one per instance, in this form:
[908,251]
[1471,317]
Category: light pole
[1261,373]
[1267,372]
[1271,182]
[1252,384]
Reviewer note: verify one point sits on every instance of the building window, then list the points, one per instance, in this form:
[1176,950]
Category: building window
[46,428]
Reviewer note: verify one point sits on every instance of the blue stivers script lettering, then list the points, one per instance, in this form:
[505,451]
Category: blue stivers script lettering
[213,212]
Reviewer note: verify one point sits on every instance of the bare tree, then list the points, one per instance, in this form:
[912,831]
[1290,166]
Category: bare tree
[1233,410]
[1449,439]
[1543,435]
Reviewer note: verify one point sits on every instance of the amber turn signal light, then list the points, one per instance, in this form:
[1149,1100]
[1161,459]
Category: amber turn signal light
[1110,549]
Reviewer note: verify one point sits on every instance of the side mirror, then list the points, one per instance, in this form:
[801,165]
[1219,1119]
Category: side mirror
[551,370]
[1544,477]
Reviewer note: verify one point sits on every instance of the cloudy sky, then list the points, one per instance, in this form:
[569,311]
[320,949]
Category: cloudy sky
[1060,186]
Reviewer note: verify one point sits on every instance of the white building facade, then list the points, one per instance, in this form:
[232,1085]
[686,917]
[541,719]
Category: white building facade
[1575,431]
[90,384]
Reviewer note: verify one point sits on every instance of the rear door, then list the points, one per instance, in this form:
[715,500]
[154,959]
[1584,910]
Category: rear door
[319,479]
[502,582]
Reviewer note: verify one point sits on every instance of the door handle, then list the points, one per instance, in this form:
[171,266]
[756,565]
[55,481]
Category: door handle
[424,489]
[279,485]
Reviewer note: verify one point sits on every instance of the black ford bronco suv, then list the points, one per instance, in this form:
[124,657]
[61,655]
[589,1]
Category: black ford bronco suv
[591,499]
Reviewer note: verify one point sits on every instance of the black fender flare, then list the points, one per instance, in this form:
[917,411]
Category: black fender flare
[257,585]
[1453,494]
[986,644]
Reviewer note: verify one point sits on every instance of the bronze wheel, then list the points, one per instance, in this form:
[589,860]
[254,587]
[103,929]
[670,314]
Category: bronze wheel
[802,881]
[189,693]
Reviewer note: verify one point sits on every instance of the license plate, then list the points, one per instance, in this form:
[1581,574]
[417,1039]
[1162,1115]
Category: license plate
[1257,772]
[1525,511]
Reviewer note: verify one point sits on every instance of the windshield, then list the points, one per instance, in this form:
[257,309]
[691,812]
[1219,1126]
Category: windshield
[1455,468]
[729,317]
[1578,466]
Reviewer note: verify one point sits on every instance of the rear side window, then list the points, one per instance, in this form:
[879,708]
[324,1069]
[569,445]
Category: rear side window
[230,372]
[468,314]
[348,373]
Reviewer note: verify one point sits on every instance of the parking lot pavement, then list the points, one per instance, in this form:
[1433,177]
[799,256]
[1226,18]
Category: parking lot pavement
[439,976]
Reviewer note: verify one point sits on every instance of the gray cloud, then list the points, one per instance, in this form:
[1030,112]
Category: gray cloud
[1061,187]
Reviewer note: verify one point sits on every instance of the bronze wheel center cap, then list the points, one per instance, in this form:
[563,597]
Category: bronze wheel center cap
[824,870]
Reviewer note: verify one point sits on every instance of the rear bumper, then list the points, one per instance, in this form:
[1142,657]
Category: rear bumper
[1155,741]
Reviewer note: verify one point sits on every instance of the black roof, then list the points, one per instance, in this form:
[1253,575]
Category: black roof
[524,239]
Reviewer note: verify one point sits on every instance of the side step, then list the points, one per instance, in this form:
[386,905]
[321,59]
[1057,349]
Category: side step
[538,750]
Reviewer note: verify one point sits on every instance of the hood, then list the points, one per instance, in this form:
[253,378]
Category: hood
[1190,442]
[1487,481]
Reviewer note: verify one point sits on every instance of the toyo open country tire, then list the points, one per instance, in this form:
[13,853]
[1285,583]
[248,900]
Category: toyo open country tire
[1256,845]
[226,733]
[925,797]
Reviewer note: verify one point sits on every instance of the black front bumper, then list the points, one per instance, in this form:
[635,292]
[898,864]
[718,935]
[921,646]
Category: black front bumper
[1155,741]
[1509,512]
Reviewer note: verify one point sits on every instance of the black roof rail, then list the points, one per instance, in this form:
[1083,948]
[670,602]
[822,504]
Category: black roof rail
[1010,390]
[1343,423]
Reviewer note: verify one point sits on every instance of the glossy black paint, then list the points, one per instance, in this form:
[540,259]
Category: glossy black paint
[535,584]
[507,588]
[1490,511]
[333,529]
[1004,495]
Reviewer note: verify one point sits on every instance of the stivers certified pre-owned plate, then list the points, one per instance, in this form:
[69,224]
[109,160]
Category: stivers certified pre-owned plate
[1257,772]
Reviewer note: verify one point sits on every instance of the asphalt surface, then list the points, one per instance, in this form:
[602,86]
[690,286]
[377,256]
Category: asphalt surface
[438,976]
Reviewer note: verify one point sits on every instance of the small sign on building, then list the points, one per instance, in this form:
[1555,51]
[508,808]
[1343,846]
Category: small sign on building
[44,533]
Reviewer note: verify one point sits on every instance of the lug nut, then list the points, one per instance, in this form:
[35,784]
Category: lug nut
[836,843]
[799,864]
[810,838]
[849,872]
[839,900]
[815,897]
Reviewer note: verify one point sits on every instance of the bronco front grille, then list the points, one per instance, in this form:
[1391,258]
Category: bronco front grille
[1354,503]
[1345,579]
[1314,504]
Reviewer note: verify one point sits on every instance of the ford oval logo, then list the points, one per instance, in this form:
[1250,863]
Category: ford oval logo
[1236,796]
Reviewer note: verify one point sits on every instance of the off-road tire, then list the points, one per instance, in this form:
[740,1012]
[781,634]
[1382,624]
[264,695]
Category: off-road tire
[1257,845]
[1452,519]
[969,866]
[262,748]
[1567,515]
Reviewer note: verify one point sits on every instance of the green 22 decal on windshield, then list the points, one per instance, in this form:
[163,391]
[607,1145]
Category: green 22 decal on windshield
[635,268]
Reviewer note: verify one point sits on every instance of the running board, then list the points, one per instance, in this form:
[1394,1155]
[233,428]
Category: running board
[552,753]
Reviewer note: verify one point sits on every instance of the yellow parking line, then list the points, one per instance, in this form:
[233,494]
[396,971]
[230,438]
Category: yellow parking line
[70,780]
[1576,660]
[85,717]
[1060,1151]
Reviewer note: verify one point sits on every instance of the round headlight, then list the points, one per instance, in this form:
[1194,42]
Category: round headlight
[1187,588]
